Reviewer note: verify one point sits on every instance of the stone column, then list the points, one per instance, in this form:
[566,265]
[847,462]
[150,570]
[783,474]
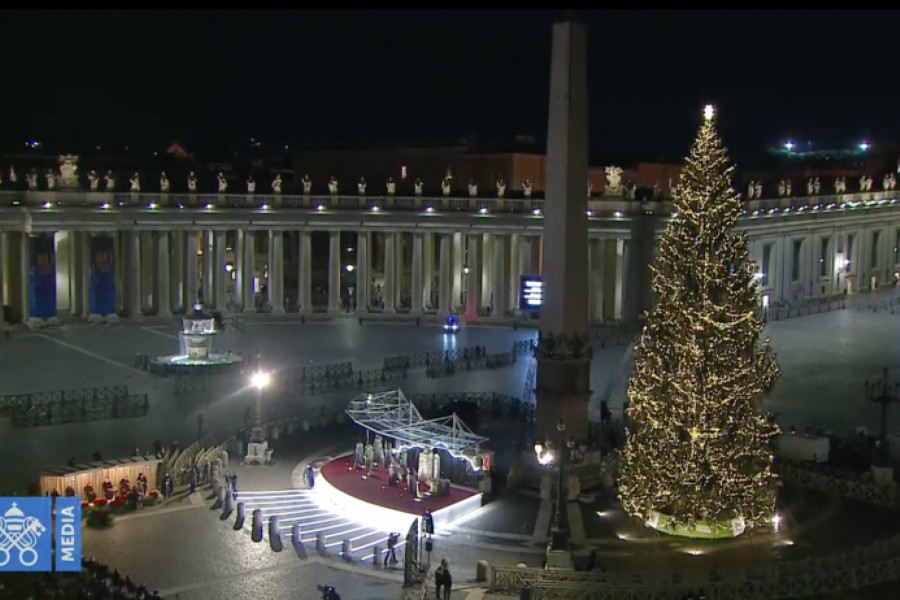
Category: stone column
[621,263]
[304,277]
[133,275]
[149,292]
[75,280]
[487,270]
[84,260]
[457,261]
[399,268]
[176,270]
[444,276]
[238,252]
[363,280]
[390,273]
[276,271]
[563,385]
[191,277]
[473,277]
[3,270]
[427,269]
[248,270]
[640,257]
[608,286]
[334,272]
[119,268]
[209,291]
[163,296]
[417,289]
[499,279]
[515,271]
[18,254]
[218,270]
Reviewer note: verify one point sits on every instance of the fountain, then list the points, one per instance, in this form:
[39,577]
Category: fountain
[197,355]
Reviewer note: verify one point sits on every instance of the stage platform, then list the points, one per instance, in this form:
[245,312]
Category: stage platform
[373,499]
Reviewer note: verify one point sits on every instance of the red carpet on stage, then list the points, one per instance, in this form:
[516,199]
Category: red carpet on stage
[370,490]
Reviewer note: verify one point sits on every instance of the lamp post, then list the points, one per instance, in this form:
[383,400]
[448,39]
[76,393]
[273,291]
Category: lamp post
[559,539]
[260,380]
[883,393]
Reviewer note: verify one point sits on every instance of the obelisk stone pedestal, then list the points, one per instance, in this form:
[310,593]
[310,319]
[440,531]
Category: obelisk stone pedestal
[563,359]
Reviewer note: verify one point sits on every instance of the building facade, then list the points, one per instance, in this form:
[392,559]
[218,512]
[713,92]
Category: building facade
[81,253]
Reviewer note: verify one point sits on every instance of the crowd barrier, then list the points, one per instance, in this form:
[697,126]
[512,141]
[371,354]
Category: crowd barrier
[73,406]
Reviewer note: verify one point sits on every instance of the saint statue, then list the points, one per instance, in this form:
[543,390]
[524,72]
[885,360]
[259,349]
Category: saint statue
[501,188]
[110,181]
[787,188]
[527,188]
[751,190]
[135,183]
[51,180]
[886,183]
[163,183]
[893,182]
[473,189]
[276,185]
[445,186]
[192,182]
[810,188]
[251,185]
[223,183]
[631,191]
[757,189]
[361,186]
[13,178]
[333,186]
[418,186]
[590,189]
[816,186]
[93,181]
[391,186]
[781,188]
[31,179]
[307,184]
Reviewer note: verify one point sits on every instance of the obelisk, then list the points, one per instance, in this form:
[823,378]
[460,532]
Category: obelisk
[563,361]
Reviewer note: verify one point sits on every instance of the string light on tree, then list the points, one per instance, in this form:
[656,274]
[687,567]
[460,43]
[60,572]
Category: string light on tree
[698,454]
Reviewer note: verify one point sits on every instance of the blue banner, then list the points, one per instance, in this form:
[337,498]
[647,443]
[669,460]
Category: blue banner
[25,543]
[103,275]
[68,534]
[42,279]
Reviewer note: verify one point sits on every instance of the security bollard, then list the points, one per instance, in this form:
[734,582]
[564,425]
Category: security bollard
[220,498]
[347,549]
[257,533]
[295,535]
[376,557]
[275,534]
[229,505]
[239,520]
[320,541]
[481,571]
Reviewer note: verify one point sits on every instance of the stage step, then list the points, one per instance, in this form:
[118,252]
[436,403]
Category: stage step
[300,507]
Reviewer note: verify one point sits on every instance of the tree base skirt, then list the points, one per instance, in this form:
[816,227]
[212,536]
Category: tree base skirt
[724,529]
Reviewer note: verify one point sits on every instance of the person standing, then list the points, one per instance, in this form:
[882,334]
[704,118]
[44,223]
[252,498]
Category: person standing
[443,580]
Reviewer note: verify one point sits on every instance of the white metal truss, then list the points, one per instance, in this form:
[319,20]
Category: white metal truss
[392,415]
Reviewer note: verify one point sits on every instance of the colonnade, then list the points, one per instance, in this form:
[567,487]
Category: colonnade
[155,272]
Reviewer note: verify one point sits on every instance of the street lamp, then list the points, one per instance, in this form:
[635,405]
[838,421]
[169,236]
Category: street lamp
[559,539]
[260,380]
[883,393]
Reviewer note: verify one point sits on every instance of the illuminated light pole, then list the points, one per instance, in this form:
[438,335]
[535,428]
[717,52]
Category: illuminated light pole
[260,380]
[883,393]
[559,535]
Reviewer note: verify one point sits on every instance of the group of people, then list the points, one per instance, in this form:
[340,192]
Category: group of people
[95,581]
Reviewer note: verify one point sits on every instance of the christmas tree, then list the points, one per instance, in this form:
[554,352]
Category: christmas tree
[698,453]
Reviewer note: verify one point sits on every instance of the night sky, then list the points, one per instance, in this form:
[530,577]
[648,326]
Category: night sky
[378,77]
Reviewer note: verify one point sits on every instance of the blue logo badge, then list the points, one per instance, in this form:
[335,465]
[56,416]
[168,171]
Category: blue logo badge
[25,544]
[68,534]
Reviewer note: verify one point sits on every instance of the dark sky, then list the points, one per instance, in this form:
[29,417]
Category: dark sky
[309,77]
